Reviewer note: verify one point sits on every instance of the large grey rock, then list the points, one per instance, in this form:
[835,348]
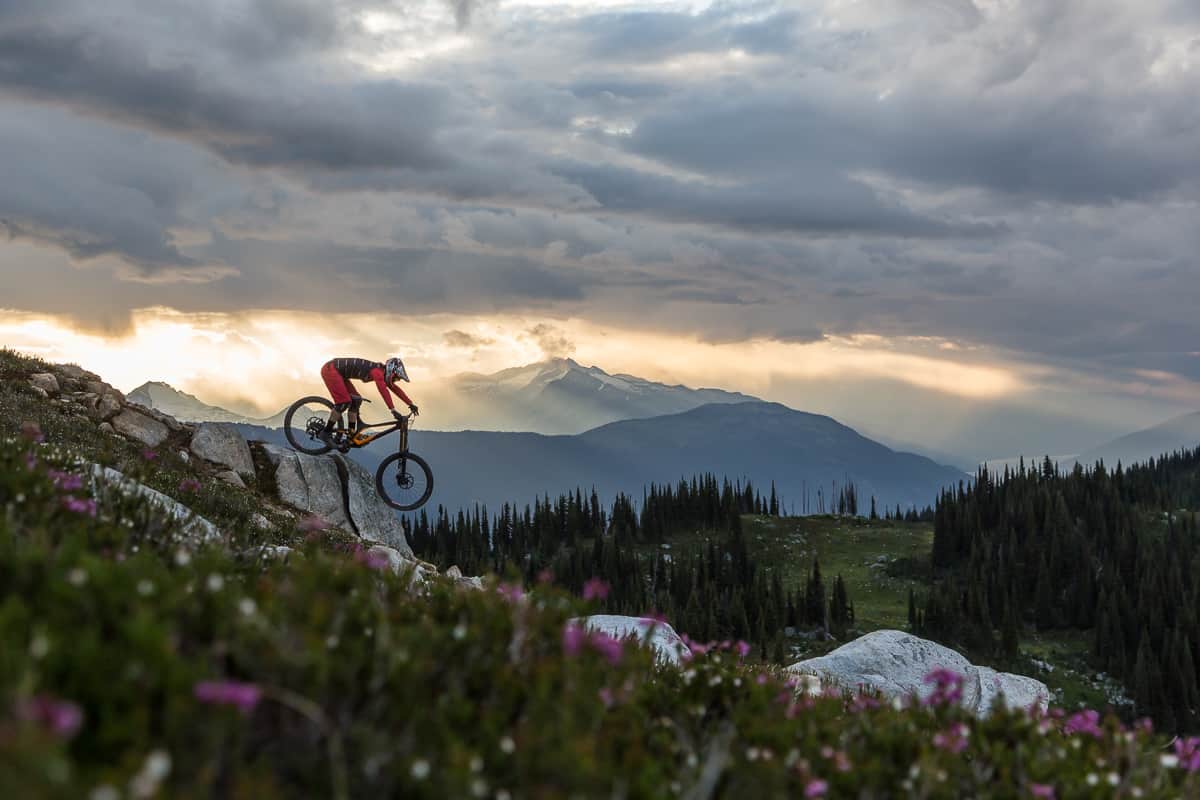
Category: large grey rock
[136,425]
[668,645]
[107,407]
[312,484]
[101,388]
[76,373]
[191,524]
[895,663]
[232,478]
[44,381]
[222,443]
[374,520]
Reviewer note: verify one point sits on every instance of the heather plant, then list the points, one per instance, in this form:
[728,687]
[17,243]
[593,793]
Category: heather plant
[135,662]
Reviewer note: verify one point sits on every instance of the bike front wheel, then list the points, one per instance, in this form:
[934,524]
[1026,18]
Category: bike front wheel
[304,421]
[404,481]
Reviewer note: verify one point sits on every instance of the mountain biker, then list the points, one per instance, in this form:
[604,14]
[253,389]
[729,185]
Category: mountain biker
[337,374]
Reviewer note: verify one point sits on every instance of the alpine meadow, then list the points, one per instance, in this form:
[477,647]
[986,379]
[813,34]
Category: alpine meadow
[541,399]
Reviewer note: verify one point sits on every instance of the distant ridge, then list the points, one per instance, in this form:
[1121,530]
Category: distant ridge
[762,442]
[189,408]
[1175,434]
[563,396]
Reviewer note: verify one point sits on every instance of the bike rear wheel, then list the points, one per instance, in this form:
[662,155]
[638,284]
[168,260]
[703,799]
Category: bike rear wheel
[304,420]
[404,481]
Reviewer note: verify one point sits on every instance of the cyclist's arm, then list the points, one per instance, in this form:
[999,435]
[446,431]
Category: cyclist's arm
[400,393]
[382,386]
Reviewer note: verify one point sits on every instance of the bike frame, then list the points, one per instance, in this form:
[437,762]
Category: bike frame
[395,425]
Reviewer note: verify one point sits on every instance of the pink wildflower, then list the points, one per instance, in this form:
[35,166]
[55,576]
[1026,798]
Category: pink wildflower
[546,576]
[1188,752]
[149,454]
[61,717]
[189,485]
[80,506]
[743,649]
[228,693]
[607,697]
[953,739]
[574,637]
[816,788]
[312,523]
[30,461]
[948,687]
[66,481]
[373,559]
[595,589]
[33,432]
[511,592]
[1087,721]
[607,646]
[1042,790]
[762,679]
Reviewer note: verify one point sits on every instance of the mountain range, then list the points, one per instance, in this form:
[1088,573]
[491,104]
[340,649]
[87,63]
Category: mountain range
[1174,434]
[552,397]
[757,441]
[562,396]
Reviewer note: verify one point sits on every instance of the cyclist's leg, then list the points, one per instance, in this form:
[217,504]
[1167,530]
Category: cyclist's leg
[356,401]
[336,385]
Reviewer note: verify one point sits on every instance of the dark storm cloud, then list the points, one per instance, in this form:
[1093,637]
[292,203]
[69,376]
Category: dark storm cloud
[274,126]
[821,201]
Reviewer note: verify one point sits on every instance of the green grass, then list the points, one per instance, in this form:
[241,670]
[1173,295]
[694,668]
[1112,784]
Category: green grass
[846,546]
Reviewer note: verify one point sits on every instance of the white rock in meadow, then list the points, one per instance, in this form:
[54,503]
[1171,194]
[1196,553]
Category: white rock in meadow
[192,524]
[661,636]
[136,425]
[222,443]
[895,663]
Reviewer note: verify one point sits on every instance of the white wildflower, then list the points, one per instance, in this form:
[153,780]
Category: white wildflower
[752,754]
[78,577]
[104,792]
[507,745]
[420,769]
[247,606]
[145,587]
[39,646]
[183,557]
[715,680]
[476,764]
[1113,779]
[479,787]
[1092,779]
[215,582]
[1169,760]
[459,632]
[331,641]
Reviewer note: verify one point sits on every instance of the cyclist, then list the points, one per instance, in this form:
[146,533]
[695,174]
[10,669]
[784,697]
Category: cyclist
[337,375]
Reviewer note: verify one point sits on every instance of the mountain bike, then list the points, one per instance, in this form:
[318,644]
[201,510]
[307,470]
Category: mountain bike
[404,480]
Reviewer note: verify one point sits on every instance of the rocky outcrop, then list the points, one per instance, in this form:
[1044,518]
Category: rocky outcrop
[45,381]
[667,644]
[373,519]
[895,664]
[312,484]
[145,429]
[339,491]
[191,524]
[222,444]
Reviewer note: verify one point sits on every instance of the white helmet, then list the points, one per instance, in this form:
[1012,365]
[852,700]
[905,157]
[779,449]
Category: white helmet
[395,369]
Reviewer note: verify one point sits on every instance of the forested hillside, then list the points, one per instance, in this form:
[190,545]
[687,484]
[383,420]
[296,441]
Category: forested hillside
[715,590]
[1113,553]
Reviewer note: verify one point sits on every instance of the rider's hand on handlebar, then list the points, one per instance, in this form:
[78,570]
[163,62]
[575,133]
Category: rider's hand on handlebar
[413,408]
[397,414]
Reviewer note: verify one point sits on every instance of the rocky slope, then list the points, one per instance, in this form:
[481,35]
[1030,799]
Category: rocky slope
[326,491]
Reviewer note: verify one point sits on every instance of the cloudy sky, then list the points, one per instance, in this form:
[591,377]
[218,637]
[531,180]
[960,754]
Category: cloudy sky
[967,224]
